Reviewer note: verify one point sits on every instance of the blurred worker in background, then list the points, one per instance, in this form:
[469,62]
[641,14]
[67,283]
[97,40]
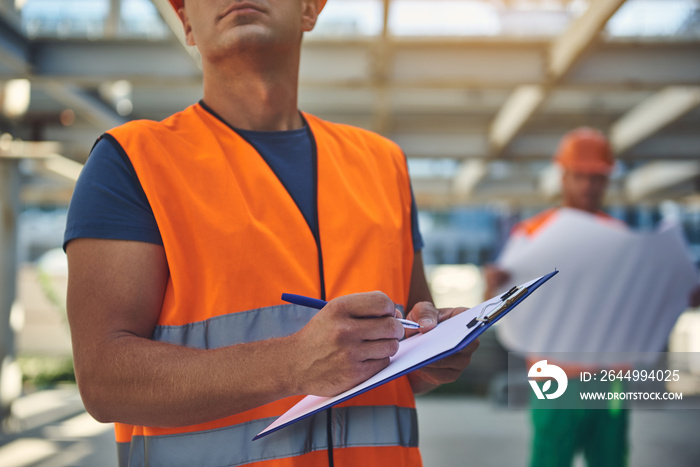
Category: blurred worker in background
[182,235]
[586,158]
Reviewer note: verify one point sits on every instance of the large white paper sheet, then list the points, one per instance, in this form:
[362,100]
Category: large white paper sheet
[617,291]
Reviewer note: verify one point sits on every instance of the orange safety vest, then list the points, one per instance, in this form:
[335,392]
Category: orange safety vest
[235,240]
[531,226]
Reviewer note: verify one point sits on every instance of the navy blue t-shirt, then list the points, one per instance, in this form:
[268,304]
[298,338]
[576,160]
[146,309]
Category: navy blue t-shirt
[109,203]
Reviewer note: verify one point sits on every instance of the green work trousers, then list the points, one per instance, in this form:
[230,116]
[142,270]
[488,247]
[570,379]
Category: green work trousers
[559,434]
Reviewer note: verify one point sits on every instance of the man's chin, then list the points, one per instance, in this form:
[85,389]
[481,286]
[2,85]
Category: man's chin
[244,40]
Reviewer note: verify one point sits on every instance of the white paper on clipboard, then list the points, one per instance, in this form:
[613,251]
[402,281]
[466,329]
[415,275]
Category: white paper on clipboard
[419,350]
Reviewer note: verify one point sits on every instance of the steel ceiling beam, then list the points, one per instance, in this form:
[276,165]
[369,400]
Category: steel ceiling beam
[652,115]
[90,107]
[338,65]
[330,64]
[25,59]
[639,64]
[566,50]
[563,53]
[89,63]
[471,172]
[656,177]
[16,149]
[512,116]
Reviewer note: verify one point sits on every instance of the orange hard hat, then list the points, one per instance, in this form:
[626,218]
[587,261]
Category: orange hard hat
[585,150]
[177,4]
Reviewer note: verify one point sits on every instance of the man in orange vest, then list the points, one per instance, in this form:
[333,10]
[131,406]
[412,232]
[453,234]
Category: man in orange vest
[182,234]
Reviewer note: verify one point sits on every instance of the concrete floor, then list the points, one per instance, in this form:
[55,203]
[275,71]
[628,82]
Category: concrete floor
[54,431]
[459,432]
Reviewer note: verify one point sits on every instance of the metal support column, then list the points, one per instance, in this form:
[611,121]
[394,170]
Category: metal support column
[9,209]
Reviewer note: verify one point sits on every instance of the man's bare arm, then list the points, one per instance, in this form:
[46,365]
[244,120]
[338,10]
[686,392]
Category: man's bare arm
[495,278]
[115,292]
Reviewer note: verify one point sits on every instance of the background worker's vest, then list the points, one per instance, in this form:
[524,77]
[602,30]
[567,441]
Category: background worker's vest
[533,225]
[235,240]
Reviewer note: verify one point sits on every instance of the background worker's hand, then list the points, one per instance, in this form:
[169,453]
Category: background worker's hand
[348,341]
[694,299]
[449,368]
[495,278]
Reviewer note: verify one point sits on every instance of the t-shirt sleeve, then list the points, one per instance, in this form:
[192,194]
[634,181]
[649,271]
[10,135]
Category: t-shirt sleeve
[418,243]
[108,201]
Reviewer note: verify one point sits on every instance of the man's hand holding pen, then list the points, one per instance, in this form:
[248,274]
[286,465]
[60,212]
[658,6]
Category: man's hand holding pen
[340,348]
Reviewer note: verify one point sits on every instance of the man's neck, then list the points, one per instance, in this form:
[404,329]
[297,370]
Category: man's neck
[254,97]
[589,210]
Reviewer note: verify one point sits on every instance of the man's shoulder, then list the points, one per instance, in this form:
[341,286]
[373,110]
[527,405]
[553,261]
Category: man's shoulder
[534,224]
[530,226]
[135,128]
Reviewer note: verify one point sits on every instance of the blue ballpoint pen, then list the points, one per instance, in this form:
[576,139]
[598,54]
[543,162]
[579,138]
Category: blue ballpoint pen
[318,304]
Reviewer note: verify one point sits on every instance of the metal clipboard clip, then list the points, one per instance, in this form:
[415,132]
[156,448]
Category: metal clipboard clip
[507,299]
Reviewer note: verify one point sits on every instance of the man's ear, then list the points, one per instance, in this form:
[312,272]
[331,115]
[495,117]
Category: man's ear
[189,36]
[309,14]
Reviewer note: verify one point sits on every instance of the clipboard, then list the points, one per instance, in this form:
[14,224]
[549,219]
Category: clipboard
[419,350]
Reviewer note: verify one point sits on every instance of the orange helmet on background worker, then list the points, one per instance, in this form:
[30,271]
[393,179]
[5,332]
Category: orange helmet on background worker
[585,150]
[177,4]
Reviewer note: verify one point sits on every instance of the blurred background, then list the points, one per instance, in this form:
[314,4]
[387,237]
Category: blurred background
[476,92]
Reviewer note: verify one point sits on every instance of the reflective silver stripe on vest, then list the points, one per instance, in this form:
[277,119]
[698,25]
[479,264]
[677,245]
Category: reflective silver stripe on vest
[232,446]
[238,328]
